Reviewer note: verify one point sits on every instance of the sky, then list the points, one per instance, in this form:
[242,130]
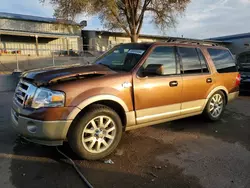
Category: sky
[202,18]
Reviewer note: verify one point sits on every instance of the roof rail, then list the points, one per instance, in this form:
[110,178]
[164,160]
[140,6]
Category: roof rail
[192,41]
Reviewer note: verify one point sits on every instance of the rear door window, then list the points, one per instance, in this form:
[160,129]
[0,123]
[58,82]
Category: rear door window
[223,60]
[204,66]
[190,60]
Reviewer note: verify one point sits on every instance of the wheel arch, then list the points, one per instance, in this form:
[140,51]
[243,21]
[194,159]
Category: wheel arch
[219,88]
[115,103]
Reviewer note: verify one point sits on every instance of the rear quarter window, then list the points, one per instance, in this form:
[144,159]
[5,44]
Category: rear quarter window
[223,60]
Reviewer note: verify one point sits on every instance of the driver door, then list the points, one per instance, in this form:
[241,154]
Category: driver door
[158,97]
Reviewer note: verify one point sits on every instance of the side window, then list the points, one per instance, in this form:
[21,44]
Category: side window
[190,60]
[162,55]
[223,60]
[204,67]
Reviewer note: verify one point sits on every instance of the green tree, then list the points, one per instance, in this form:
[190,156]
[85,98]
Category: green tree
[127,15]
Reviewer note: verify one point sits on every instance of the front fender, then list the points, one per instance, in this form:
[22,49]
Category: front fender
[94,99]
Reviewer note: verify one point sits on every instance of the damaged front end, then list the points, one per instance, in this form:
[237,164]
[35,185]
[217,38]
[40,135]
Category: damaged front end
[48,76]
[32,88]
[39,109]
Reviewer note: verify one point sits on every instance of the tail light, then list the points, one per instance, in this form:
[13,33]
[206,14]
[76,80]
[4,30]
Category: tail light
[238,78]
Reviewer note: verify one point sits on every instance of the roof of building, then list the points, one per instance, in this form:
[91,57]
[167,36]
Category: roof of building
[122,34]
[39,34]
[164,38]
[231,37]
[35,18]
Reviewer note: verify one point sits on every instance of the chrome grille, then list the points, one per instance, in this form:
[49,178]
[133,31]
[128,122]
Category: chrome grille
[24,91]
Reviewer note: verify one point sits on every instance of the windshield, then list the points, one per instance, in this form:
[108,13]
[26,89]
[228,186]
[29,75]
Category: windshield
[123,57]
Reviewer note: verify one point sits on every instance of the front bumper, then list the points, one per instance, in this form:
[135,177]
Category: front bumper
[42,132]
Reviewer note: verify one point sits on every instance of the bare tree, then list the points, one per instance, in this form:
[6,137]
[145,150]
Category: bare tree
[127,15]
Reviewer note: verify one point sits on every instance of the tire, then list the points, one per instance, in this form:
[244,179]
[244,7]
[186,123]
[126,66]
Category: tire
[210,111]
[90,139]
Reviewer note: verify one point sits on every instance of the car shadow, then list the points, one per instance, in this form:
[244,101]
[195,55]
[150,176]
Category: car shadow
[232,127]
[40,166]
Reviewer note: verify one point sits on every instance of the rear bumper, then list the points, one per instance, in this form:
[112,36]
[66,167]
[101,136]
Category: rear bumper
[42,132]
[233,96]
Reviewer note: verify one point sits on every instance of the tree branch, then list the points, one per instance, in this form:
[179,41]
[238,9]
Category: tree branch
[146,3]
[127,15]
[132,14]
[120,23]
[141,17]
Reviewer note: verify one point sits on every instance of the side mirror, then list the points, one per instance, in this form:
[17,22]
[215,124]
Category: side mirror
[153,70]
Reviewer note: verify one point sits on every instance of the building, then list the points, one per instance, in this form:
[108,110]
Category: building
[38,36]
[238,44]
[104,40]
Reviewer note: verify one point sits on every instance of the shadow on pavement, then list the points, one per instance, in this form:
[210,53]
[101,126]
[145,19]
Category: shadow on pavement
[41,166]
[233,127]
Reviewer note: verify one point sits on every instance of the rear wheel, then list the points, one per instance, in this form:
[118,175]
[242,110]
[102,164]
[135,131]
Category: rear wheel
[97,133]
[215,106]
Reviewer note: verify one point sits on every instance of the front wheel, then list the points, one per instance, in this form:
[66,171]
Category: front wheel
[215,106]
[97,133]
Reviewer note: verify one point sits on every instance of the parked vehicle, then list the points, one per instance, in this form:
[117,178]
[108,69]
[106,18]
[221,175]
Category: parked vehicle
[243,62]
[131,86]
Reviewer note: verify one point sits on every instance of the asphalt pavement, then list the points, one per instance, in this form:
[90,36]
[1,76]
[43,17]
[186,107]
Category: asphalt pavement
[185,153]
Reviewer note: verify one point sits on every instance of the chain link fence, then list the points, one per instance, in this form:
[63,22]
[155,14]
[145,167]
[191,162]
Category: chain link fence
[19,59]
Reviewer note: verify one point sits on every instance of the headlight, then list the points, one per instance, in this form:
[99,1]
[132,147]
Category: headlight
[48,98]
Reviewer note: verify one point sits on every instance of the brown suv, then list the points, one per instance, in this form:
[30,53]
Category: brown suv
[130,86]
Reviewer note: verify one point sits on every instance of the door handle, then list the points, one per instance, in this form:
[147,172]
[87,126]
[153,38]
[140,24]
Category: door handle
[173,83]
[209,80]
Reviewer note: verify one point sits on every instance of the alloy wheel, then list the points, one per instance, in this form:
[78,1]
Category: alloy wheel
[216,105]
[99,134]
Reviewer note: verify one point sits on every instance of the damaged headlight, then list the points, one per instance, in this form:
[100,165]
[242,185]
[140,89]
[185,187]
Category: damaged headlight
[48,98]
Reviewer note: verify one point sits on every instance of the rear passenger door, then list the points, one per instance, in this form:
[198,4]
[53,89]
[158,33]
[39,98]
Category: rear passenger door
[196,77]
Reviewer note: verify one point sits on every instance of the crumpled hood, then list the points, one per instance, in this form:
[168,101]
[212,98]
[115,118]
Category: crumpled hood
[52,74]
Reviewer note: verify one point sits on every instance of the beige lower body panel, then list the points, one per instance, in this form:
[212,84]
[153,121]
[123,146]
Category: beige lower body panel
[161,114]
[161,121]
[232,96]
[157,113]
[130,116]
[193,106]
[150,116]
[168,111]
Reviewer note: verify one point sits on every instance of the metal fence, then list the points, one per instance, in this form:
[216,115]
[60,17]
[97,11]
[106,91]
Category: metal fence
[12,59]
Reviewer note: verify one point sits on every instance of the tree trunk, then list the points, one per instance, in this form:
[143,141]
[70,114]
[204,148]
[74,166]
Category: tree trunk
[134,37]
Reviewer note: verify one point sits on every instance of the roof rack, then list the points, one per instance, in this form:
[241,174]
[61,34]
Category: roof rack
[193,41]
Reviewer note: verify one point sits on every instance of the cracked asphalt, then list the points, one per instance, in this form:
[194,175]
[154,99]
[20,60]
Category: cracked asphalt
[185,153]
